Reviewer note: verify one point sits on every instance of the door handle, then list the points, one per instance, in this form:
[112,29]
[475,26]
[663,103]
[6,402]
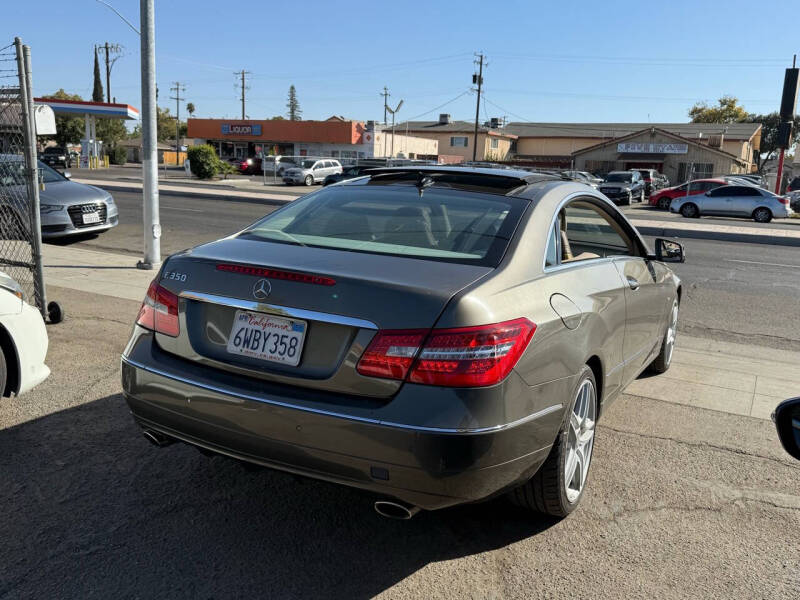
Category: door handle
[634,285]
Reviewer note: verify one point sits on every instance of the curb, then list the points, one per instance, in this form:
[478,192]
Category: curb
[721,236]
[122,187]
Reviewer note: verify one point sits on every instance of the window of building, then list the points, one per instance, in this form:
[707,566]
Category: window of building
[459,141]
[494,144]
[699,171]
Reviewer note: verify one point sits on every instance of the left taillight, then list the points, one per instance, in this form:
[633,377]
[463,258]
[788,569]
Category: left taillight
[458,357]
[159,311]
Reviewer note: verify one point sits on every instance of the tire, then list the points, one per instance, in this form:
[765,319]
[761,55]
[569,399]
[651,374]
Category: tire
[547,491]
[3,373]
[628,201]
[662,362]
[690,210]
[54,312]
[309,180]
[664,202]
[762,215]
[641,197]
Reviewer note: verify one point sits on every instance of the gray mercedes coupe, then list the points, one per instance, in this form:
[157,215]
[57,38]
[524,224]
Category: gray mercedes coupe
[434,335]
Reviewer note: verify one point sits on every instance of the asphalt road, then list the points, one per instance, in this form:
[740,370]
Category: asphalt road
[682,502]
[734,291]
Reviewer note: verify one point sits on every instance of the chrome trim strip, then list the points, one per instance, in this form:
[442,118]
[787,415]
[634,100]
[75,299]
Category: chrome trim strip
[281,311]
[327,413]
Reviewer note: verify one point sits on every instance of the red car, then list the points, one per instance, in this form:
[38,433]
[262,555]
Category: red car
[663,198]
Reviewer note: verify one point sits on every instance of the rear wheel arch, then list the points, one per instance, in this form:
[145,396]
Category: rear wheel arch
[596,365]
[12,362]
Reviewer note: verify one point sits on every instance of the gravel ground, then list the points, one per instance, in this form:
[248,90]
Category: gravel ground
[682,502]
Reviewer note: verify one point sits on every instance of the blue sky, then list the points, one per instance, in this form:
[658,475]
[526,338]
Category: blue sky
[581,61]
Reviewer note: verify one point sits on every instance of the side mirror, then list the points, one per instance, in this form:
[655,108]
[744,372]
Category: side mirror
[669,251]
[67,175]
[708,193]
[787,421]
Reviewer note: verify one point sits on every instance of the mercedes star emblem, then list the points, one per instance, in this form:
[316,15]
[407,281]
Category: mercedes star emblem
[262,289]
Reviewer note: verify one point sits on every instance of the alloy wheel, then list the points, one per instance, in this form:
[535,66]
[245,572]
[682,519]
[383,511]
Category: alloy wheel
[672,331]
[663,203]
[580,440]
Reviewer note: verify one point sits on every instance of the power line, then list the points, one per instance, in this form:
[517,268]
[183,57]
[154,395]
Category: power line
[109,50]
[464,93]
[244,87]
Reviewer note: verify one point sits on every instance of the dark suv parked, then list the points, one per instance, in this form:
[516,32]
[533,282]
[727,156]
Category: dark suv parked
[56,156]
[623,187]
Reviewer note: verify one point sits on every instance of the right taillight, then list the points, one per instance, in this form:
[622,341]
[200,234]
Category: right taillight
[458,357]
[783,200]
[159,311]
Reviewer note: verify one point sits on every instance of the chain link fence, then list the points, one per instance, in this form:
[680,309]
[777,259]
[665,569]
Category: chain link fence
[20,235]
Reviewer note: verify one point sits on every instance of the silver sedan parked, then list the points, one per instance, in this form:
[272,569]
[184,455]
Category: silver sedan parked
[66,207]
[436,335]
[734,201]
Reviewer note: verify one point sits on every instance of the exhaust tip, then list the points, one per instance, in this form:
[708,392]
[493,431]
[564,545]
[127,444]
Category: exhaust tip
[157,439]
[395,510]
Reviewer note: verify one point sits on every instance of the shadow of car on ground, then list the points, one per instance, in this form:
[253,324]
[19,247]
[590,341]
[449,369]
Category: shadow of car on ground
[90,509]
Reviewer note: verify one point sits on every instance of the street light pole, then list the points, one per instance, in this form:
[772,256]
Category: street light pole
[152,226]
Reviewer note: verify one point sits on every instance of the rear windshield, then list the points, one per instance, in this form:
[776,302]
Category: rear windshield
[441,224]
[619,177]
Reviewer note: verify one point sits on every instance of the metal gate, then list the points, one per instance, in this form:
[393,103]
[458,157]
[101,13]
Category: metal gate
[20,231]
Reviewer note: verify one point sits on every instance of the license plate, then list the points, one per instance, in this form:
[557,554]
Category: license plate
[265,337]
[91,217]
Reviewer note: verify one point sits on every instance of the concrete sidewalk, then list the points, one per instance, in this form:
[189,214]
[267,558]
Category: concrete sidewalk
[733,378]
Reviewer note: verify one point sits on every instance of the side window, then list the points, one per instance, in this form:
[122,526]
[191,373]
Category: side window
[720,191]
[590,233]
[551,255]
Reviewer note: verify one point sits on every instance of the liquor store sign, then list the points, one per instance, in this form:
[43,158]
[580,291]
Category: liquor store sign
[233,129]
[651,148]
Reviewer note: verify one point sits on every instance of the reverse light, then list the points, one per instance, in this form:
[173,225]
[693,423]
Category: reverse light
[390,353]
[159,311]
[457,357]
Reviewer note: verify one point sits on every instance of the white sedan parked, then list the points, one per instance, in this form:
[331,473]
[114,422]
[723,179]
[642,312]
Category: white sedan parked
[734,201]
[23,341]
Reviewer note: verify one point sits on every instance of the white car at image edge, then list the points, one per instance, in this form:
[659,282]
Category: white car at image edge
[23,340]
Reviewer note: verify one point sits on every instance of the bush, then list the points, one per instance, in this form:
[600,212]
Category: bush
[118,156]
[225,168]
[203,161]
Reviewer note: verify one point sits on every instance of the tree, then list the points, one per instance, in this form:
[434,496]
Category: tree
[769,136]
[293,105]
[69,130]
[111,131]
[276,118]
[97,92]
[727,111]
[165,123]
[190,109]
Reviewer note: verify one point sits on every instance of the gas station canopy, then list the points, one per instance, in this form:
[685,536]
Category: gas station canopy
[105,110]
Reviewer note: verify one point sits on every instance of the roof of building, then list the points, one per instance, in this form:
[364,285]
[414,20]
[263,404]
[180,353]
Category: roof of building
[737,131]
[662,132]
[452,127]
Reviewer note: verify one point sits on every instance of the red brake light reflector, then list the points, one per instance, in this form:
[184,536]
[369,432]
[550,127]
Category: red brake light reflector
[472,356]
[783,200]
[390,353]
[277,274]
[159,311]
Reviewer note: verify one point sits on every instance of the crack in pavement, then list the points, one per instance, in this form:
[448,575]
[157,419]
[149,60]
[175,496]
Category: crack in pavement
[626,513]
[701,445]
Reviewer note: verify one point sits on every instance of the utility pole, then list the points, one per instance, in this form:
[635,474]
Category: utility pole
[152,226]
[177,88]
[109,50]
[244,87]
[479,80]
[385,95]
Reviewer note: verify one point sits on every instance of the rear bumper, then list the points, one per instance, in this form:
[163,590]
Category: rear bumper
[430,467]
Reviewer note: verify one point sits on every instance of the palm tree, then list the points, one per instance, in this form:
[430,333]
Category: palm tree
[190,109]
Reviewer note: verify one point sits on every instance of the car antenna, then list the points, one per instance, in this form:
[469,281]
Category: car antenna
[422,182]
